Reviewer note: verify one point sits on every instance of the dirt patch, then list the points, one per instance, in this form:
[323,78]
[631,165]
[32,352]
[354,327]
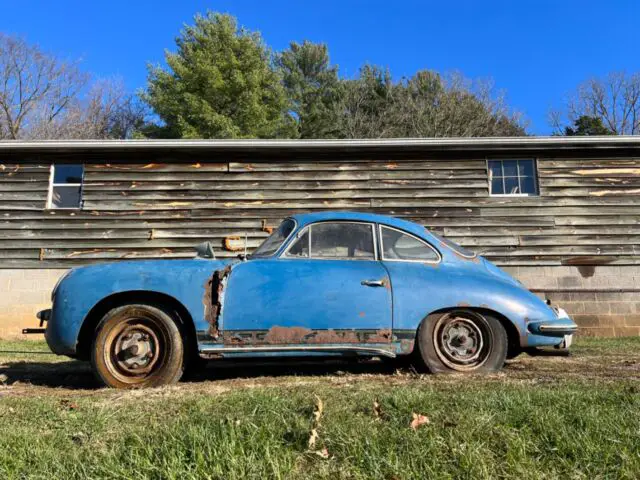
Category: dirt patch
[48,375]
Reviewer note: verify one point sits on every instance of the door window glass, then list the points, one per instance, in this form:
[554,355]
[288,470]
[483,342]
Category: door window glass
[341,240]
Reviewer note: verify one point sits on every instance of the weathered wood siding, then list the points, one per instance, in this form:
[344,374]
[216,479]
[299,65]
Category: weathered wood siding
[588,211]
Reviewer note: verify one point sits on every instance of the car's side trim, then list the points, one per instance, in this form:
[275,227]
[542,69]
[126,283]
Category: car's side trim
[298,348]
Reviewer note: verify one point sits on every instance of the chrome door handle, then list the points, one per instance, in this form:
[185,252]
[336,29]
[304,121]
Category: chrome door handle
[373,283]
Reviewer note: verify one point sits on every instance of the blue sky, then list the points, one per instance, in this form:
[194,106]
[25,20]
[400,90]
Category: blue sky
[537,51]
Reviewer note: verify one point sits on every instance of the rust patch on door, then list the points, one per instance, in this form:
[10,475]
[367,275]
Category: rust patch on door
[305,336]
[213,298]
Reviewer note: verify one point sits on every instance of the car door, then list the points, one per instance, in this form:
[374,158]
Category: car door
[327,288]
[413,265]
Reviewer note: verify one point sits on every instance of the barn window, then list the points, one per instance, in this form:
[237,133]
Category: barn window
[65,189]
[512,177]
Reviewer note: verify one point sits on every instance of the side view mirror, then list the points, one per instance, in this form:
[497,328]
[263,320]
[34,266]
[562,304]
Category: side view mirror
[205,250]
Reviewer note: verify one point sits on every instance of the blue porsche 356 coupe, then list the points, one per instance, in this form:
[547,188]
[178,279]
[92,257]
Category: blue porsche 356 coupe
[332,283]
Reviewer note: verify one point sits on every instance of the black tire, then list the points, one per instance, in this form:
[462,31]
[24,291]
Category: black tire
[138,346]
[461,341]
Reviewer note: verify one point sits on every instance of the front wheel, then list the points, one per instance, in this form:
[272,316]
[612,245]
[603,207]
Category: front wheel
[138,346]
[462,341]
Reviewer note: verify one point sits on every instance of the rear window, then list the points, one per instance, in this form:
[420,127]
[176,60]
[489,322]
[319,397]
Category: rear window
[465,252]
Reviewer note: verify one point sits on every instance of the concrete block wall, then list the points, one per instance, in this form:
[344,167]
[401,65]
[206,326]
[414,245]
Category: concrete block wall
[604,301]
[24,292]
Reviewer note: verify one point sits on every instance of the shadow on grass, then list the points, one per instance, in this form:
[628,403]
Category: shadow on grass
[74,374]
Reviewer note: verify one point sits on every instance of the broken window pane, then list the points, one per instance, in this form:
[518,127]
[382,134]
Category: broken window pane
[342,240]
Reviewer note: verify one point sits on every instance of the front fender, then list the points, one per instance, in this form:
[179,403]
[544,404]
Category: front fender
[85,287]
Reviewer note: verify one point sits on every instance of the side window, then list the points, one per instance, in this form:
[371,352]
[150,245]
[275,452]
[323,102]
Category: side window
[397,245]
[340,240]
[65,189]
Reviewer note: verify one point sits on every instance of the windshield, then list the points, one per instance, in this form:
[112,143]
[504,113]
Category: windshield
[275,240]
[454,246]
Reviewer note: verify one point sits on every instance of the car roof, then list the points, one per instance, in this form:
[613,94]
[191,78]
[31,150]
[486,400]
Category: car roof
[307,218]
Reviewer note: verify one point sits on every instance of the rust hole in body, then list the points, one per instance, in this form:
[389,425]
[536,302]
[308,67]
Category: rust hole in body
[212,299]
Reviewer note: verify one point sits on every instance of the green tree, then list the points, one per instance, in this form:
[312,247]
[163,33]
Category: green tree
[220,83]
[425,105]
[366,104]
[312,87]
[587,125]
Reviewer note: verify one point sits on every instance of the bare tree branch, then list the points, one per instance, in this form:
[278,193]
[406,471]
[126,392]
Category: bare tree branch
[614,100]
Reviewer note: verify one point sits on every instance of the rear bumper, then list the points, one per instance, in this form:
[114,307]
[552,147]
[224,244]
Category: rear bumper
[555,329]
[557,332]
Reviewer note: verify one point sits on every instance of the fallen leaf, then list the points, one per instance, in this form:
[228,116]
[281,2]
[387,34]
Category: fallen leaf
[313,438]
[68,404]
[419,420]
[318,410]
[324,453]
[377,410]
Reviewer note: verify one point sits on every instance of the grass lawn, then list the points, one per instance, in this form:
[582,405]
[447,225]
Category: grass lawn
[542,417]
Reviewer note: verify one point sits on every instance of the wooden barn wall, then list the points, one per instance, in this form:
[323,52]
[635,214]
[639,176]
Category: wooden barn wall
[588,211]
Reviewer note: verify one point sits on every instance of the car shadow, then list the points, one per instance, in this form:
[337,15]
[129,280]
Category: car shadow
[71,374]
[74,374]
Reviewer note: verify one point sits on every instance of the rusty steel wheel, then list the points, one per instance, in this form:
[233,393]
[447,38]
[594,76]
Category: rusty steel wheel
[138,346]
[462,341]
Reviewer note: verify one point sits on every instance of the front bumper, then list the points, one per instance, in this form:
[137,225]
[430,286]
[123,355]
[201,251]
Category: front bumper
[43,316]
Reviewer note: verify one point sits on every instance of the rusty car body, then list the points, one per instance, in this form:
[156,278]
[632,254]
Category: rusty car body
[330,283]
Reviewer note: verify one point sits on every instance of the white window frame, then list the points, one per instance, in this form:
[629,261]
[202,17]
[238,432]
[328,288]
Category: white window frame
[427,244]
[535,178]
[301,232]
[52,185]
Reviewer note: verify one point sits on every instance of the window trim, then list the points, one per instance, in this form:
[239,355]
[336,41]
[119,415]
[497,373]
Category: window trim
[299,233]
[382,257]
[52,185]
[502,159]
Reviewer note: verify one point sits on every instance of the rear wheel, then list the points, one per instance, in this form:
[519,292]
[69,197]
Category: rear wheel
[462,341]
[138,346]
